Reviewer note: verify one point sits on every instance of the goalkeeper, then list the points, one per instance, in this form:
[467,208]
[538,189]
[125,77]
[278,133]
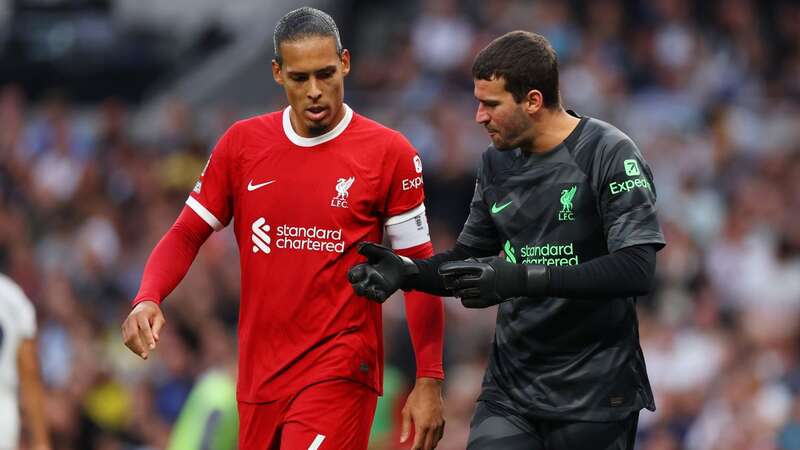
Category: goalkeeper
[570,202]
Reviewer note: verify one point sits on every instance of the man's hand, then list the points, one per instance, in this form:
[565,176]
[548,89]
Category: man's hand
[484,282]
[382,274]
[424,408]
[141,329]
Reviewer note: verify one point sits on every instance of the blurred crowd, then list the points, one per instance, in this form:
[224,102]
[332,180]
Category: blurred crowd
[710,92]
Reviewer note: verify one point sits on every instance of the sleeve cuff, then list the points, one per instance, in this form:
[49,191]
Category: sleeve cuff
[437,374]
[145,299]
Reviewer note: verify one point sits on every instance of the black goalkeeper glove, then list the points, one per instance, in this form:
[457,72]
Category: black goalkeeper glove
[382,274]
[488,281]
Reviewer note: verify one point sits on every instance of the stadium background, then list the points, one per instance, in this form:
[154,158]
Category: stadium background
[108,110]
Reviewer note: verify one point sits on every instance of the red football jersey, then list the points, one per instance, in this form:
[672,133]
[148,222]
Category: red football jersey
[299,207]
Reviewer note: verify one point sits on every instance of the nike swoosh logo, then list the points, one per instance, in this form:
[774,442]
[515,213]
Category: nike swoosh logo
[252,187]
[496,209]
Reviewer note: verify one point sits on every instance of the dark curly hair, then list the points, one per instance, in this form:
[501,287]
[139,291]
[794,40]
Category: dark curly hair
[526,61]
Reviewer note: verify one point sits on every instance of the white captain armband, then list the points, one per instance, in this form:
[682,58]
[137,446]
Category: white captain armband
[408,229]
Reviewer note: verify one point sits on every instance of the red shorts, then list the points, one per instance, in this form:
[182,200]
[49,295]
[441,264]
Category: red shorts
[330,415]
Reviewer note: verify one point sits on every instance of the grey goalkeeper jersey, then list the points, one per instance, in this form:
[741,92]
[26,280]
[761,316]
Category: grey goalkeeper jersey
[566,358]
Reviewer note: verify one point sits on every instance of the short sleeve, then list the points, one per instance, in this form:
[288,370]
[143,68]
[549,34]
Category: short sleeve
[479,230]
[22,309]
[27,318]
[212,196]
[404,173]
[628,198]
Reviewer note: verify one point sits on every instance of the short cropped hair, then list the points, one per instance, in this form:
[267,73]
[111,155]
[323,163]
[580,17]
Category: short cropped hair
[526,61]
[302,23]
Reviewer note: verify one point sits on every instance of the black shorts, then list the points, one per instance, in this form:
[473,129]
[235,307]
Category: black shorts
[494,427]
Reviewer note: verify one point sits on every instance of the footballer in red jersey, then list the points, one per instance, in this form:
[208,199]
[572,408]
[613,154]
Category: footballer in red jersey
[303,187]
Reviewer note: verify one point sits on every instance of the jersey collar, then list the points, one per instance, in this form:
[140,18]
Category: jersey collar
[310,142]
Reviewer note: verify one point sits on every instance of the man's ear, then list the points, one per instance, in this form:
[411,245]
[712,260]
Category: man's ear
[345,62]
[533,101]
[276,72]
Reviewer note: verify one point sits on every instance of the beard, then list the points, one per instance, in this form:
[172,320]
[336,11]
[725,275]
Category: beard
[502,144]
[317,128]
[514,134]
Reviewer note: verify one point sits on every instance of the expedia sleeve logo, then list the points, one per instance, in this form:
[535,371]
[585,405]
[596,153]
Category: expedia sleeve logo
[631,167]
[628,185]
[414,182]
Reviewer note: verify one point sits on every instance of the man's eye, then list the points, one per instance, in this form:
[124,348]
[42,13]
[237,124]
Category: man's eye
[299,78]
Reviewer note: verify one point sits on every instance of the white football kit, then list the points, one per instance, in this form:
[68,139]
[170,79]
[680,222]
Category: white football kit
[17,323]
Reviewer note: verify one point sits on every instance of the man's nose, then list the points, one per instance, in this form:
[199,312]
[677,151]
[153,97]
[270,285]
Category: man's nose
[481,116]
[314,91]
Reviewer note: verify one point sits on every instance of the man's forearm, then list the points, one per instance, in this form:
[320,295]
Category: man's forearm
[425,317]
[32,394]
[489,281]
[627,272]
[172,257]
